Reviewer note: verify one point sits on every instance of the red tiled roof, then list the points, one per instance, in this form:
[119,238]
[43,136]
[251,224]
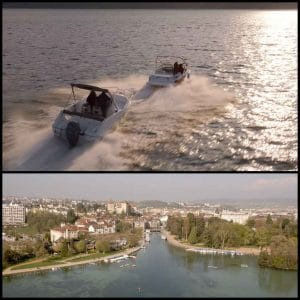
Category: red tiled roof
[64,228]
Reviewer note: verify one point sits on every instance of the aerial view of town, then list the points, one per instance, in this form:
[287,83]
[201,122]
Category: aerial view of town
[95,244]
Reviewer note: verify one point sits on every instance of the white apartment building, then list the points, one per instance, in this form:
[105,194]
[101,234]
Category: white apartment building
[13,214]
[67,232]
[236,217]
[103,228]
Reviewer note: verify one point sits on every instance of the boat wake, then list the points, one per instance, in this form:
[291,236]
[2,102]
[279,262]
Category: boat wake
[155,117]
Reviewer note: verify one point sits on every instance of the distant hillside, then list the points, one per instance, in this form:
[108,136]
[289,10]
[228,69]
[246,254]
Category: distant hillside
[157,204]
[252,203]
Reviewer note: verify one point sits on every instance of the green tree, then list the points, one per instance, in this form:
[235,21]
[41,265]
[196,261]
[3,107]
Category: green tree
[262,237]
[39,249]
[47,237]
[221,235]
[80,246]
[174,225]
[133,240]
[102,246]
[187,226]
[11,256]
[269,220]
[284,223]
[119,226]
[200,226]
[283,255]
[64,249]
[193,239]
[264,259]
[71,217]
[250,223]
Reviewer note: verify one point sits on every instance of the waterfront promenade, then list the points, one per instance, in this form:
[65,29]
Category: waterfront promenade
[171,239]
[65,263]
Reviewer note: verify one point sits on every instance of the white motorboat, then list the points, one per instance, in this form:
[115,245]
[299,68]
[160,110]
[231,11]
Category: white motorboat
[213,267]
[119,258]
[147,238]
[169,70]
[81,121]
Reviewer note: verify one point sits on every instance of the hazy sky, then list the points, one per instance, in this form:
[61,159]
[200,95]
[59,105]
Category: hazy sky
[158,5]
[143,186]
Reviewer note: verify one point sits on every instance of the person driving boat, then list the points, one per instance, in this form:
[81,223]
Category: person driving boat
[104,101]
[91,99]
[176,70]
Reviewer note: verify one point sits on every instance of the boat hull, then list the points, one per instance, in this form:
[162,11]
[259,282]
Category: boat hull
[164,80]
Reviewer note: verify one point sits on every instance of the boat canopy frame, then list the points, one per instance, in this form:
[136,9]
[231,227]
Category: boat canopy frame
[159,60]
[89,87]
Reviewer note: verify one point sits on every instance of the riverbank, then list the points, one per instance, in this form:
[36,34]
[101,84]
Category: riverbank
[64,264]
[244,250]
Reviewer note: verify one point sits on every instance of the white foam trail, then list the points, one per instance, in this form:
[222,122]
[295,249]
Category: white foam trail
[103,155]
[191,95]
[33,149]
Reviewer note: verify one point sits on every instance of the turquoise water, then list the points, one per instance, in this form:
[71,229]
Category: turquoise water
[161,271]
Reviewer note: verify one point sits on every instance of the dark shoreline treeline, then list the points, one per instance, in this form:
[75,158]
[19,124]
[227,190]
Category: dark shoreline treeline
[153,5]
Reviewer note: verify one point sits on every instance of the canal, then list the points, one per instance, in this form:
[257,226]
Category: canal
[161,270]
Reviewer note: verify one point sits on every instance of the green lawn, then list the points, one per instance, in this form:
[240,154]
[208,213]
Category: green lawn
[91,256]
[37,264]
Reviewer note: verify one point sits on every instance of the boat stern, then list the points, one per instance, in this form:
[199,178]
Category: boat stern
[161,80]
[59,125]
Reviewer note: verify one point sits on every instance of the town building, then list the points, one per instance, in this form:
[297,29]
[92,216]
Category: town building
[236,217]
[66,232]
[164,220]
[119,207]
[154,223]
[103,227]
[13,214]
[139,223]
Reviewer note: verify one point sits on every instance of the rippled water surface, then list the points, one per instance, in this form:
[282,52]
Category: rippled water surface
[238,111]
[161,271]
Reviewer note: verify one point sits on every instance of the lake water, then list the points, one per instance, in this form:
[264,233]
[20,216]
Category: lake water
[161,270]
[238,111]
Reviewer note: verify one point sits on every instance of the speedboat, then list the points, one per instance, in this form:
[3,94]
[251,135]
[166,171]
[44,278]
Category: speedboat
[81,121]
[169,70]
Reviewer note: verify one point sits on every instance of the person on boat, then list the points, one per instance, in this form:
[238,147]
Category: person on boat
[91,99]
[104,102]
[175,70]
[180,68]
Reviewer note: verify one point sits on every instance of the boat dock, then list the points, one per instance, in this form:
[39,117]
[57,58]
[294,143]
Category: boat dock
[214,251]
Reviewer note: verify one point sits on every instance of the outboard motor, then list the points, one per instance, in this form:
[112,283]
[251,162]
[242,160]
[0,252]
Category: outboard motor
[72,133]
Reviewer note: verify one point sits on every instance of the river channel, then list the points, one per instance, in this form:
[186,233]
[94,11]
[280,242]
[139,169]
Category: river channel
[161,270]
